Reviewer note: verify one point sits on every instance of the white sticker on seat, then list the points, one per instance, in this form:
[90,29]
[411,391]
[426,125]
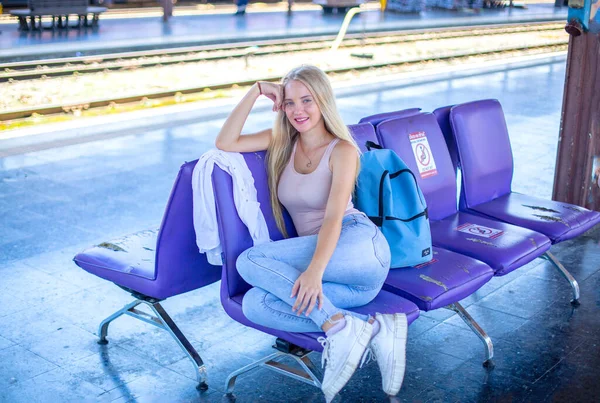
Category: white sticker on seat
[423,155]
[480,230]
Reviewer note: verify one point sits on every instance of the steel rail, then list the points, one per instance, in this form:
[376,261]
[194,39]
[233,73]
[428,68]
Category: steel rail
[94,64]
[54,109]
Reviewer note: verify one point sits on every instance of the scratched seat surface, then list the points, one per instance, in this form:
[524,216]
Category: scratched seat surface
[159,263]
[484,152]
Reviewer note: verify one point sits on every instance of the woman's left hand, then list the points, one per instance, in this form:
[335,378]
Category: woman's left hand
[308,288]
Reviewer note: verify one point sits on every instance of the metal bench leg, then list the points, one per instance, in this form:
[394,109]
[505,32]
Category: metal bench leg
[574,285]
[487,342]
[163,321]
[103,329]
[230,381]
[23,26]
[167,324]
[307,372]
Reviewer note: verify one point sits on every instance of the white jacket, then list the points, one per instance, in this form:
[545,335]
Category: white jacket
[244,196]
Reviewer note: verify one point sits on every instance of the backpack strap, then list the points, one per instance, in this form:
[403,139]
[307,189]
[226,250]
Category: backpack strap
[421,214]
[369,144]
[378,221]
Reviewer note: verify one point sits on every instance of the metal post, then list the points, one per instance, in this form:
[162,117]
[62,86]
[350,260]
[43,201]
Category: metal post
[349,15]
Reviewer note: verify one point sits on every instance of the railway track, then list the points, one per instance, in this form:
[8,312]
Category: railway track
[133,60]
[96,103]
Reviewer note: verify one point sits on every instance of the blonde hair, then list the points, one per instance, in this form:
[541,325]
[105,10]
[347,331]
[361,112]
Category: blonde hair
[284,134]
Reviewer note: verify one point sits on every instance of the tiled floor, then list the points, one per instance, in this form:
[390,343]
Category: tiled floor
[57,201]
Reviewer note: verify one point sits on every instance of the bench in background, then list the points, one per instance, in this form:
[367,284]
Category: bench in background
[57,9]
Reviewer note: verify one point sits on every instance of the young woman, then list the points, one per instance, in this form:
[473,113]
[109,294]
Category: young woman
[340,258]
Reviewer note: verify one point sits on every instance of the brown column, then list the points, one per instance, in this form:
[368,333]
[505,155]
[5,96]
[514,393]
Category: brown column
[579,141]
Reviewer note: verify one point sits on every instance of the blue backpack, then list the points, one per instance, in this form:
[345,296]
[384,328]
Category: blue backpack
[388,193]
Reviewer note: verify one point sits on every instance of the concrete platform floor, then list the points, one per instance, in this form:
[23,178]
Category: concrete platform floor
[57,201]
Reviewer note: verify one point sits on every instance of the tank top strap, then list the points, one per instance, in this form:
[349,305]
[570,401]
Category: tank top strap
[329,149]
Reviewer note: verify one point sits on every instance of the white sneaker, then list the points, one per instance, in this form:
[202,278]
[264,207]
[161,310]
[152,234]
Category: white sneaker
[389,348]
[343,351]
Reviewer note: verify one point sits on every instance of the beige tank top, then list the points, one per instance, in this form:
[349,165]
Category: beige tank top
[305,195]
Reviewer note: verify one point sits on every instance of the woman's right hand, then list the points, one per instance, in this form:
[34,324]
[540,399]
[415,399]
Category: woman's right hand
[230,138]
[274,92]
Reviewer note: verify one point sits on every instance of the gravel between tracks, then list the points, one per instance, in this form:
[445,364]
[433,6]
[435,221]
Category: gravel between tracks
[130,81]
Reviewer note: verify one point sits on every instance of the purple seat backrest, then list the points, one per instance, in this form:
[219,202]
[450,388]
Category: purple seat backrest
[232,231]
[375,120]
[484,150]
[179,266]
[363,132]
[438,186]
[443,118]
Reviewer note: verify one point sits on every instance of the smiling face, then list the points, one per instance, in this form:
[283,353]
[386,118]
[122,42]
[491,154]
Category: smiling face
[301,108]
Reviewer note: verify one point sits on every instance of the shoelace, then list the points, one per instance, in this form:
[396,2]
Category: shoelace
[325,356]
[367,357]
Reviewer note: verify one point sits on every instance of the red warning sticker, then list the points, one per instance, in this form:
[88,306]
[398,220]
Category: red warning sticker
[480,230]
[420,266]
[423,155]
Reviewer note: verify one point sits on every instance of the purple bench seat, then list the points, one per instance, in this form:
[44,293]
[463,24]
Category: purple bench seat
[235,239]
[558,221]
[479,133]
[489,192]
[445,280]
[512,249]
[156,265]
[502,246]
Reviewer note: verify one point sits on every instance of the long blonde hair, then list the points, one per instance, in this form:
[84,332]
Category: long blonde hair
[284,134]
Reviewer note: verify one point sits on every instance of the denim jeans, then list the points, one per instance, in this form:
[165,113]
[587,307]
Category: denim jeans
[353,277]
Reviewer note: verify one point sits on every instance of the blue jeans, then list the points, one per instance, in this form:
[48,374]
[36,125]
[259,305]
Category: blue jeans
[354,276]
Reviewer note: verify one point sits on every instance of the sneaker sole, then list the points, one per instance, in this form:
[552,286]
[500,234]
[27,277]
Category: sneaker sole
[399,365]
[346,373]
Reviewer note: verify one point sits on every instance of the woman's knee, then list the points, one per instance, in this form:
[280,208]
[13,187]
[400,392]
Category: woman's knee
[246,263]
[253,304]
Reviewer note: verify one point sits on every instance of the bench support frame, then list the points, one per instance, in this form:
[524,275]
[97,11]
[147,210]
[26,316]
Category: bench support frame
[307,372]
[163,321]
[574,285]
[58,21]
[483,336]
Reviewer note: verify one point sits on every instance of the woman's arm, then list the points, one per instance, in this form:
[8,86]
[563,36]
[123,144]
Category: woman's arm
[309,286]
[230,138]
